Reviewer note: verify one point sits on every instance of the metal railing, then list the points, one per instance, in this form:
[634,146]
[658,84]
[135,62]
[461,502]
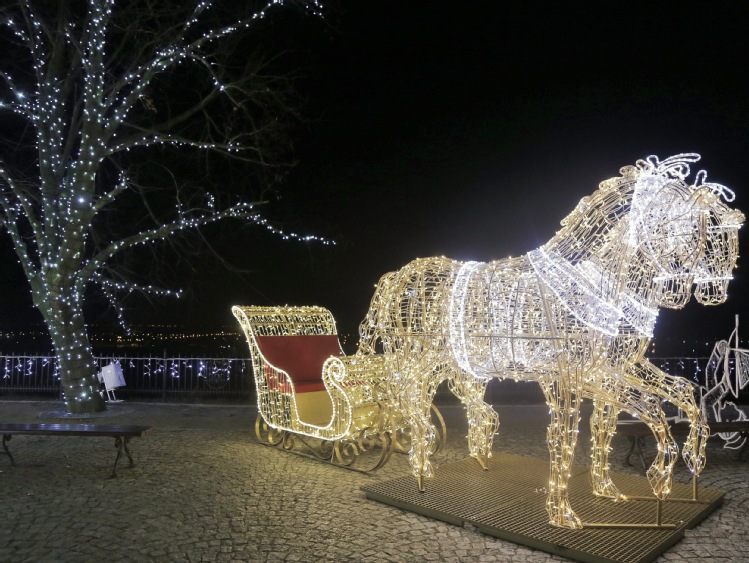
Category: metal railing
[152,376]
[691,368]
[204,378]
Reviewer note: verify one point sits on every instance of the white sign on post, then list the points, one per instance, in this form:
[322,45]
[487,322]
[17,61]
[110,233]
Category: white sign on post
[112,378]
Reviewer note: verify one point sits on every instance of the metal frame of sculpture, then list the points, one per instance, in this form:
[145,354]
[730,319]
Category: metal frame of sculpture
[352,414]
[726,375]
[576,315]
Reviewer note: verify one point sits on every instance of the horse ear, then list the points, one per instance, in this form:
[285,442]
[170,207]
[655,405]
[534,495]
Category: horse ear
[704,191]
[702,200]
[582,205]
[706,198]
[719,189]
[629,171]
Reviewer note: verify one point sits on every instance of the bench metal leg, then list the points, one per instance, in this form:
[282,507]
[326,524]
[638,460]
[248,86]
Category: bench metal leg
[6,439]
[635,446]
[121,444]
[744,446]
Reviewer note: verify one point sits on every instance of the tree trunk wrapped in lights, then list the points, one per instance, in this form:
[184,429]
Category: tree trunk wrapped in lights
[576,315]
[86,89]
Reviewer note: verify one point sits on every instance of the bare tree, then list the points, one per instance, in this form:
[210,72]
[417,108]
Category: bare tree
[94,92]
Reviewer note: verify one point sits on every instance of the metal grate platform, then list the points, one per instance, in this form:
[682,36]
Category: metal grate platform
[508,501]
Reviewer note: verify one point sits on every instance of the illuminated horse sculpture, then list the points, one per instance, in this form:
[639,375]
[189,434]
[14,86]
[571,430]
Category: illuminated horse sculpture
[574,315]
[667,289]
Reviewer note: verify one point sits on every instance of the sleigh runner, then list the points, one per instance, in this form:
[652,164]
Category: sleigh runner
[335,407]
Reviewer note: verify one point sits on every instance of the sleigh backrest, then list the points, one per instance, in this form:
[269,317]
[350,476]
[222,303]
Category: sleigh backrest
[294,340]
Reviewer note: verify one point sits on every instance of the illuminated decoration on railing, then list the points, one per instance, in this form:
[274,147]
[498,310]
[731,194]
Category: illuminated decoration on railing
[726,375]
[576,315]
[144,375]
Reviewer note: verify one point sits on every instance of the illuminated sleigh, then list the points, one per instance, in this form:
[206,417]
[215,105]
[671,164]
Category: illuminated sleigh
[309,393]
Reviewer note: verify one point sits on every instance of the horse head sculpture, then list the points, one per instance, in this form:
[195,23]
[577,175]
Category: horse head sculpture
[688,234]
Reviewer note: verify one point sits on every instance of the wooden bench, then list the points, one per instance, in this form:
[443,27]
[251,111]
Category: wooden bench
[120,432]
[637,431]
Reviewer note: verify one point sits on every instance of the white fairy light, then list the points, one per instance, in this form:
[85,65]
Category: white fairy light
[576,315]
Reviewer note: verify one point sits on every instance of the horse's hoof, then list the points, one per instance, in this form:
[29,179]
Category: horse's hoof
[608,490]
[660,482]
[574,524]
[483,462]
[564,517]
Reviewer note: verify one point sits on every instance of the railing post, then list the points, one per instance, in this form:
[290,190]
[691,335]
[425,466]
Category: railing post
[163,386]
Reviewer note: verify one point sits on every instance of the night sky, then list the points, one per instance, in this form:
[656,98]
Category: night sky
[470,129]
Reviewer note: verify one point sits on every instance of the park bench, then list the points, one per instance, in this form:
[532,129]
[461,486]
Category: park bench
[637,431]
[120,432]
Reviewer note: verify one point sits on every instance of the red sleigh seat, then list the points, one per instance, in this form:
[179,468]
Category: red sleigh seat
[300,356]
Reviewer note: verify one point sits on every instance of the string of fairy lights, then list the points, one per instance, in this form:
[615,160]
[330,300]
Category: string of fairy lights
[49,217]
[143,374]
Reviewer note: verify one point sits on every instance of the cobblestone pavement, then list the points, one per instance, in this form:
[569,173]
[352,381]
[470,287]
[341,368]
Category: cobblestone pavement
[203,489]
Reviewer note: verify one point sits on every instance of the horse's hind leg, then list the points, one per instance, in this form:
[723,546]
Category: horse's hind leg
[483,421]
[415,401]
[602,429]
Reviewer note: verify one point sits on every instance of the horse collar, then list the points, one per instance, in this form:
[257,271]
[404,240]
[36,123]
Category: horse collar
[578,288]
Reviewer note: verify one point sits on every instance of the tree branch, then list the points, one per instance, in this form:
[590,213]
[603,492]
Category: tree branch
[239,211]
[9,220]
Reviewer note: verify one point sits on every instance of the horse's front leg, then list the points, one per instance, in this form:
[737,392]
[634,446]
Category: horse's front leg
[483,421]
[563,397]
[639,402]
[648,408]
[679,392]
[660,472]
[602,430]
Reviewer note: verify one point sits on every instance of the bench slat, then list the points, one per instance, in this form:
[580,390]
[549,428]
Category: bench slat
[120,432]
[75,429]
[639,428]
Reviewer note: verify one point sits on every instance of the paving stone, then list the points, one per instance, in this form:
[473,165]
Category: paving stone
[203,489]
